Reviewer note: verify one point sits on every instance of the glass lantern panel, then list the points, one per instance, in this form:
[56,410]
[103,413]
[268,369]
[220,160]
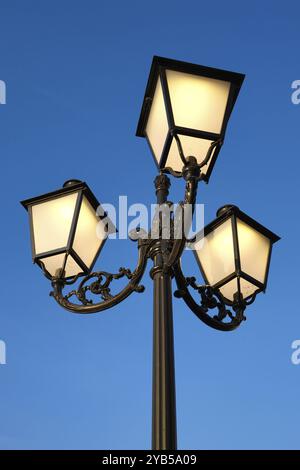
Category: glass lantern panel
[89,234]
[192,146]
[52,222]
[54,264]
[157,126]
[216,253]
[229,289]
[197,102]
[254,251]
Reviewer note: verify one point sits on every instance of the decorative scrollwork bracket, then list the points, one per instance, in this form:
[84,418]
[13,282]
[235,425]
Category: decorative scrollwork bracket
[211,299]
[99,284]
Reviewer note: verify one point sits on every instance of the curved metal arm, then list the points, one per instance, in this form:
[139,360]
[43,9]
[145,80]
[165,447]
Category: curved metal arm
[210,299]
[180,149]
[101,287]
[191,174]
[178,174]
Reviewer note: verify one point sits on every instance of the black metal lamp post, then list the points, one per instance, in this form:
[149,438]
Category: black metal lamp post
[184,116]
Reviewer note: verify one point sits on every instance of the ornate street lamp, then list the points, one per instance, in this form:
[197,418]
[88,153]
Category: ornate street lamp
[184,117]
[185,112]
[235,254]
[67,234]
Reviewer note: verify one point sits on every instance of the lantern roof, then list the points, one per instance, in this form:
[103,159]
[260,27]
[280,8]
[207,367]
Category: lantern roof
[226,211]
[69,187]
[159,63]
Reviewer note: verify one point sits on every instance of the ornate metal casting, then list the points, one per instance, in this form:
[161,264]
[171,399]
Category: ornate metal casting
[211,299]
[179,174]
[101,286]
[167,253]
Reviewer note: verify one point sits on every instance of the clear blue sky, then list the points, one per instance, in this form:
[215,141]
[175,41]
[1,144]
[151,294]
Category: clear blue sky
[76,73]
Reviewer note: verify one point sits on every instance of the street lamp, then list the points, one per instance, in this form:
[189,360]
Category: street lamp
[184,116]
[67,230]
[235,253]
[185,112]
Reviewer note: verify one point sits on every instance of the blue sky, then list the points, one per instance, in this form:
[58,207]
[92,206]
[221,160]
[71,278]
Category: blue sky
[75,74]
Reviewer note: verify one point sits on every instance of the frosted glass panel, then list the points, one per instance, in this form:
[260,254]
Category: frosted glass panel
[198,102]
[229,289]
[54,264]
[52,223]
[254,251]
[191,146]
[87,238]
[157,126]
[72,267]
[217,254]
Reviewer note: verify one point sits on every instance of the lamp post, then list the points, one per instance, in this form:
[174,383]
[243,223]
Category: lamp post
[184,116]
